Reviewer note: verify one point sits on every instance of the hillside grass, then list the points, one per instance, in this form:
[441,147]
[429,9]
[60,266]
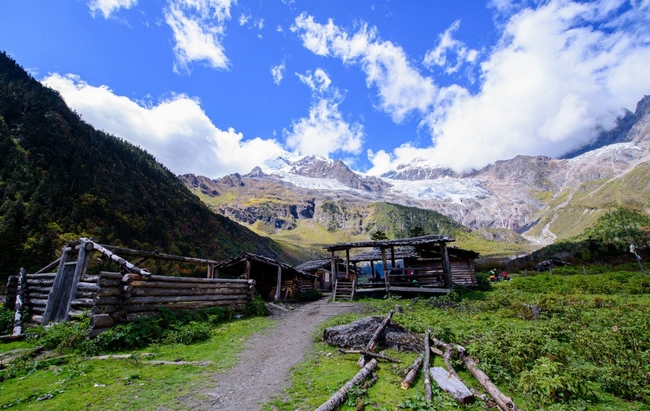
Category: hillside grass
[589,350]
[71,382]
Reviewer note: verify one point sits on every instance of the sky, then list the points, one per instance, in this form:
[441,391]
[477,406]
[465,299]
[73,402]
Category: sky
[214,87]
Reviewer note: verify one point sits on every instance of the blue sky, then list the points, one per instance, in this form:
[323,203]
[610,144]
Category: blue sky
[218,86]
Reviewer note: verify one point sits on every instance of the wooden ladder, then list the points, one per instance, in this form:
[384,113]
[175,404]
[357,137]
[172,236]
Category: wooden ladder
[344,289]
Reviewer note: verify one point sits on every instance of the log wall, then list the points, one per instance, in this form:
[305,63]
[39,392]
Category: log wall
[111,298]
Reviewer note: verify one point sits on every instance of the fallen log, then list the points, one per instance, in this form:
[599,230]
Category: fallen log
[504,403]
[425,369]
[119,356]
[160,362]
[370,354]
[17,337]
[450,383]
[372,344]
[339,397]
[413,371]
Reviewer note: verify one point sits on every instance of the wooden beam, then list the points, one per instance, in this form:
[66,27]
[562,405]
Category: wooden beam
[384,262]
[347,263]
[52,299]
[279,285]
[372,269]
[117,259]
[155,255]
[83,260]
[249,265]
[446,268]
[392,256]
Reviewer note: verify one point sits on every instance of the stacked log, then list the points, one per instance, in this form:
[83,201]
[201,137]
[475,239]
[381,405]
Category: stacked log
[305,284]
[10,295]
[463,272]
[38,287]
[123,298]
[288,290]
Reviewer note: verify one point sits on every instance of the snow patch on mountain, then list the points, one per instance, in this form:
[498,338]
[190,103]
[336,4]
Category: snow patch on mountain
[442,189]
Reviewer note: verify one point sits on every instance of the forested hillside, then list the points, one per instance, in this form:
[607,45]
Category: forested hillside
[61,179]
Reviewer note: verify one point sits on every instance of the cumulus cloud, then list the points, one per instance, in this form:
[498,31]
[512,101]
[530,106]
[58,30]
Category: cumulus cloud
[278,73]
[383,161]
[448,46]
[561,72]
[176,130]
[198,27]
[244,18]
[325,131]
[401,88]
[107,7]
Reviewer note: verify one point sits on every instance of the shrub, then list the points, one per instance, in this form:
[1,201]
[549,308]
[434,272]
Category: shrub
[257,307]
[483,282]
[187,334]
[6,320]
[64,336]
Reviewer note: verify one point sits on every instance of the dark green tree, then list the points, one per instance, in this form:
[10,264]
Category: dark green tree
[378,236]
[416,231]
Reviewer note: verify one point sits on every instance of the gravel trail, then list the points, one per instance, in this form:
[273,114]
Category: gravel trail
[264,367]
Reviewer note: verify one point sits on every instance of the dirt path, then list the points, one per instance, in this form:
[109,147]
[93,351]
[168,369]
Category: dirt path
[264,367]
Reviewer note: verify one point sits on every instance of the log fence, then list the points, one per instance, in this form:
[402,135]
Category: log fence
[111,298]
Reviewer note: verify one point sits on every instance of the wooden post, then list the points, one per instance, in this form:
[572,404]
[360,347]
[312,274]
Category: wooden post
[20,302]
[372,269]
[446,268]
[279,285]
[392,256]
[83,260]
[216,273]
[334,276]
[210,270]
[347,263]
[52,298]
[385,263]
[249,264]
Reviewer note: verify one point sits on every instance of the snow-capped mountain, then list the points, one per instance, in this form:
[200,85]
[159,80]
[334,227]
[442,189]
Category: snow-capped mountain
[540,197]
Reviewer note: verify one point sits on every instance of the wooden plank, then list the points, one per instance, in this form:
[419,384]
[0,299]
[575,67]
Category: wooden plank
[452,385]
[178,286]
[134,277]
[151,292]
[278,285]
[58,294]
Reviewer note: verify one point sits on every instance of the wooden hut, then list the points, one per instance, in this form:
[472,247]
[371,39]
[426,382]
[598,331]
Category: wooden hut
[65,289]
[274,280]
[427,266]
[321,269]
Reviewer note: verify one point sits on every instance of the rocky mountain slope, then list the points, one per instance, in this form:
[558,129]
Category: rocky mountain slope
[541,198]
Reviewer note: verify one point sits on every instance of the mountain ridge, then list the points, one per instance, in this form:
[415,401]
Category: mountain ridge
[542,198]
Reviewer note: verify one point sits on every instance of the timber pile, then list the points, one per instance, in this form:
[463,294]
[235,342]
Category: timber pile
[288,290]
[37,290]
[370,332]
[357,334]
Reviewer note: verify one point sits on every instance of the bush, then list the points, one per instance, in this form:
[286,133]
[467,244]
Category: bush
[187,334]
[483,282]
[64,336]
[6,320]
[257,307]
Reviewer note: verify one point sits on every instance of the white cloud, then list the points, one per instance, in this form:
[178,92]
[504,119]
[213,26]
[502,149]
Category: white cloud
[176,131]
[279,29]
[448,45]
[383,161]
[198,27]
[278,73]
[559,74]
[244,18]
[402,89]
[107,7]
[325,131]
[562,71]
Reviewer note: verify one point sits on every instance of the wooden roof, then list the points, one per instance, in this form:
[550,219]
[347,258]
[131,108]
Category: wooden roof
[262,260]
[414,241]
[376,255]
[316,264]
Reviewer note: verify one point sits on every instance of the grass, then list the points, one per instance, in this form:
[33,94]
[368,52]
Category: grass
[590,349]
[128,384]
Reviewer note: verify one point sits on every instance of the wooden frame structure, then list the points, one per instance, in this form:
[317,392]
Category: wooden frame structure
[429,265]
[115,297]
[274,280]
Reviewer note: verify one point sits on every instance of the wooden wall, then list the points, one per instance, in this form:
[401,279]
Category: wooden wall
[112,298]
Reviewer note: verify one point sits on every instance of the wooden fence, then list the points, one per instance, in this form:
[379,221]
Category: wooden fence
[114,297]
